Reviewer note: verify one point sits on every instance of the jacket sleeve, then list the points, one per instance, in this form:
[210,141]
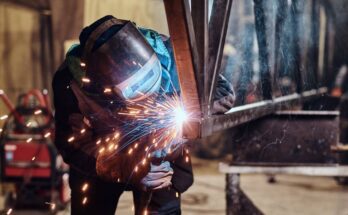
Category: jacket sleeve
[69,123]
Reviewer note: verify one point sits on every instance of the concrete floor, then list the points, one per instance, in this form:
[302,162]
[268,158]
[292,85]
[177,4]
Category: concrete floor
[290,195]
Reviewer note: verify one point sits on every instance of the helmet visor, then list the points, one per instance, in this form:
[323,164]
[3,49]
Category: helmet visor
[142,83]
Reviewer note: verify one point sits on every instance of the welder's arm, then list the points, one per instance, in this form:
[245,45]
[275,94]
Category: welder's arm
[68,123]
[224,97]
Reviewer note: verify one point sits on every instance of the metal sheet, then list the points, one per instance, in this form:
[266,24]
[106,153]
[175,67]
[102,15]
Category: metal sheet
[287,138]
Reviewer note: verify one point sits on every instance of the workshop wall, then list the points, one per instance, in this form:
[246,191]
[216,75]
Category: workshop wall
[146,13]
[20,68]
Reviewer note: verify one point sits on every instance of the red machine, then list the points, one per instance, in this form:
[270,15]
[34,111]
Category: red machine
[32,172]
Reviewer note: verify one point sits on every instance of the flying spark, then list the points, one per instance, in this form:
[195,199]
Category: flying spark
[47,134]
[9,211]
[71,139]
[86,80]
[37,112]
[84,187]
[3,117]
[84,201]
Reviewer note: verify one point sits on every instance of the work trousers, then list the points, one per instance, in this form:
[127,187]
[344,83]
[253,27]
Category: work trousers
[102,198]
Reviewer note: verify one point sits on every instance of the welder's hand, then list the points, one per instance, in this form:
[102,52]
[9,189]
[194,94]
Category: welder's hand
[224,96]
[159,177]
[223,104]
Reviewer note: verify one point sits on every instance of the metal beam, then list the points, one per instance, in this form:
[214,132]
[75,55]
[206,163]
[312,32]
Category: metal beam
[295,16]
[279,52]
[265,71]
[328,170]
[237,202]
[218,25]
[314,49]
[199,12]
[179,34]
[193,45]
[247,113]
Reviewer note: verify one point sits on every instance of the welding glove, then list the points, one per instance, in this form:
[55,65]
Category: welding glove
[224,97]
[170,153]
[159,177]
[224,104]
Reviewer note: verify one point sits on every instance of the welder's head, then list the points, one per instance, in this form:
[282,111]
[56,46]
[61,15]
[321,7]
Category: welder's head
[118,61]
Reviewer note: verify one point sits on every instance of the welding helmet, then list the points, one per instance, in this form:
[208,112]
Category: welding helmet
[125,65]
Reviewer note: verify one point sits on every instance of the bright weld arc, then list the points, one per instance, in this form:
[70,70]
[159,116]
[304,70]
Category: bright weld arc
[180,116]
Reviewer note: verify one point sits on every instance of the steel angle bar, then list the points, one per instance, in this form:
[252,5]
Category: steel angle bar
[246,113]
[237,116]
[199,12]
[180,38]
[332,170]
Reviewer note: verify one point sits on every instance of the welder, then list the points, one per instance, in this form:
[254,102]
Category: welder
[114,64]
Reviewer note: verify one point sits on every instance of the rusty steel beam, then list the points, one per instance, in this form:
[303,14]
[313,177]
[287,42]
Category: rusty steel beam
[199,13]
[237,202]
[297,169]
[261,34]
[193,45]
[180,38]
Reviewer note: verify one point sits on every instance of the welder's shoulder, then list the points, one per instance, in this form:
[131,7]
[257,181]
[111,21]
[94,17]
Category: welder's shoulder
[61,87]
[62,77]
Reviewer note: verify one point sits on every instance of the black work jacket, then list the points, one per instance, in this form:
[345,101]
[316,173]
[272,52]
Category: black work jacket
[68,117]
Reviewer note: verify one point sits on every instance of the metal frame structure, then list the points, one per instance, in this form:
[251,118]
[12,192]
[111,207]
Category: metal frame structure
[198,42]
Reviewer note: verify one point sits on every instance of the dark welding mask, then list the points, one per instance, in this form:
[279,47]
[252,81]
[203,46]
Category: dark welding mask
[125,65]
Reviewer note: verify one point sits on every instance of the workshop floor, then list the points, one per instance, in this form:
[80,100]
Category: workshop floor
[290,195]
